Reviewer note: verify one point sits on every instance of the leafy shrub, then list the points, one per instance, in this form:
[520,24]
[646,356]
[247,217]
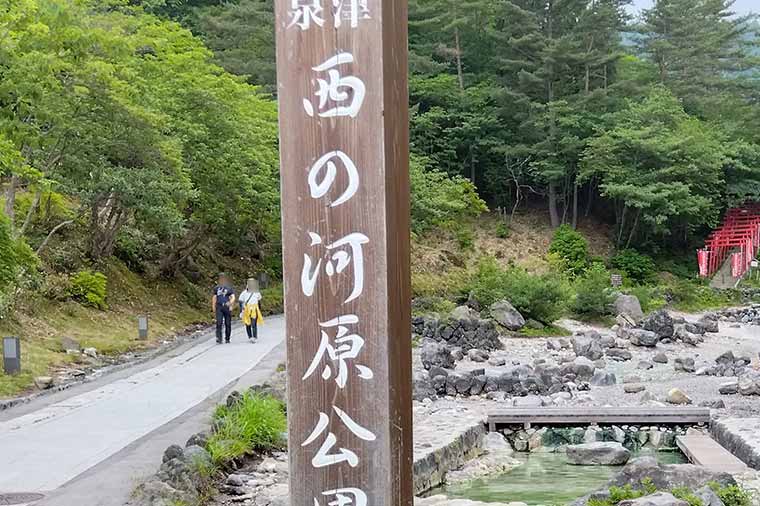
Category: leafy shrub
[56,287]
[693,295]
[453,284]
[134,247]
[502,230]
[650,297]
[255,423]
[536,296]
[465,238]
[15,256]
[438,198]
[572,248]
[731,495]
[432,304]
[272,300]
[593,294]
[687,495]
[89,288]
[636,266]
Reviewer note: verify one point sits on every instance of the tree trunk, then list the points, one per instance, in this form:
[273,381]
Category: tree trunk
[590,197]
[10,200]
[51,234]
[622,225]
[575,206]
[458,50]
[633,229]
[30,213]
[553,214]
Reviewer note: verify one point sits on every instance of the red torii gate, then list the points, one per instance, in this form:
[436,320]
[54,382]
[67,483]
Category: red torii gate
[740,231]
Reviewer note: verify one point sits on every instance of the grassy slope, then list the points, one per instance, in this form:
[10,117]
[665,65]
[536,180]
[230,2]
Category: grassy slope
[41,323]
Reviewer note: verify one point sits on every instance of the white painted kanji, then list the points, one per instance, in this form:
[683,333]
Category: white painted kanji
[333,93]
[352,11]
[324,458]
[345,497]
[336,263]
[320,184]
[304,13]
[340,352]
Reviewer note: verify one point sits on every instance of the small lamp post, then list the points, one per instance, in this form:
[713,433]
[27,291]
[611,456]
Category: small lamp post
[142,327]
[616,280]
[11,355]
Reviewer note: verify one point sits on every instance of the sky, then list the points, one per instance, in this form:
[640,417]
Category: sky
[741,6]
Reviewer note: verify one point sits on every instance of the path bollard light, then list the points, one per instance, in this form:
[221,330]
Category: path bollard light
[142,327]
[11,355]
[616,280]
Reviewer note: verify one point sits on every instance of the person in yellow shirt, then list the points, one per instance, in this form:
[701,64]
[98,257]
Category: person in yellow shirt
[250,309]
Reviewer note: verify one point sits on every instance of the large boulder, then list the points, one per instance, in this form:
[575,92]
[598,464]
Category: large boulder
[749,383]
[668,477]
[464,313]
[661,323]
[436,354]
[506,315]
[586,346]
[603,378]
[709,322]
[658,499]
[641,337]
[598,454]
[629,305]
[582,368]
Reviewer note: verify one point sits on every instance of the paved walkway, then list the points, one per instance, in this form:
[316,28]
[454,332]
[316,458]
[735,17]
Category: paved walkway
[44,449]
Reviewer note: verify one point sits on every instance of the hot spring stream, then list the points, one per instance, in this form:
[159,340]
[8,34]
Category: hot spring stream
[544,479]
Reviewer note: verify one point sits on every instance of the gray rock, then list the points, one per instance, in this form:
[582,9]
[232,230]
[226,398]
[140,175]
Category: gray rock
[173,452]
[585,346]
[436,354]
[582,367]
[708,497]
[677,396]
[69,344]
[507,316]
[423,387]
[713,404]
[684,364]
[629,305]
[603,379]
[660,358]
[619,354]
[598,454]
[641,337]
[633,388]
[464,313]
[709,323]
[658,499]
[660,322]
[478,356]
[497,362]
[197,456]
[668,477]
[729,387]
[43,382]
[645,365]
[199,439]
[749,383]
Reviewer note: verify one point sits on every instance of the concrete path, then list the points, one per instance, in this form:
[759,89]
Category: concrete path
[44,449]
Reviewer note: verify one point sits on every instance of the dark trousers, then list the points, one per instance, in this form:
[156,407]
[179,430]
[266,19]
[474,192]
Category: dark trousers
[252,330]
[223,318]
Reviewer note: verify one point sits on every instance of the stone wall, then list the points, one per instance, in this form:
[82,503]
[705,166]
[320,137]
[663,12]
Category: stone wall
[740,436]
[466,334]
[430,467]
[634,438]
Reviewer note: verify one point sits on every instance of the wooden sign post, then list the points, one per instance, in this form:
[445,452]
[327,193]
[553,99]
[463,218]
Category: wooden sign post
[342,91]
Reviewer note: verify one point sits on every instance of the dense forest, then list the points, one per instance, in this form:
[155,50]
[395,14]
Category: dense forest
[146,130]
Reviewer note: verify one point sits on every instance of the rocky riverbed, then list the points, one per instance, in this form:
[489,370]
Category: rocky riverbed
[466,365]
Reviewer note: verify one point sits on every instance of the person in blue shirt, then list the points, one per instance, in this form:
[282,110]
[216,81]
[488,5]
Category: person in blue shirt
[221,304]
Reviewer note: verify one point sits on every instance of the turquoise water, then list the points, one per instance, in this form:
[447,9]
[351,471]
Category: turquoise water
[544,479]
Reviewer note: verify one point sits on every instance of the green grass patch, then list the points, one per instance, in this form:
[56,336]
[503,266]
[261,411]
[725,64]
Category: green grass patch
[547,331]
[254,423]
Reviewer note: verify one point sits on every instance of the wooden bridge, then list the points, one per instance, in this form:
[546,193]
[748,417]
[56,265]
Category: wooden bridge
[599,416]
[703,450]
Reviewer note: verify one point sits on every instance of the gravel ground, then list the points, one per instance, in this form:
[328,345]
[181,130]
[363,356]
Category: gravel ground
[741,339]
